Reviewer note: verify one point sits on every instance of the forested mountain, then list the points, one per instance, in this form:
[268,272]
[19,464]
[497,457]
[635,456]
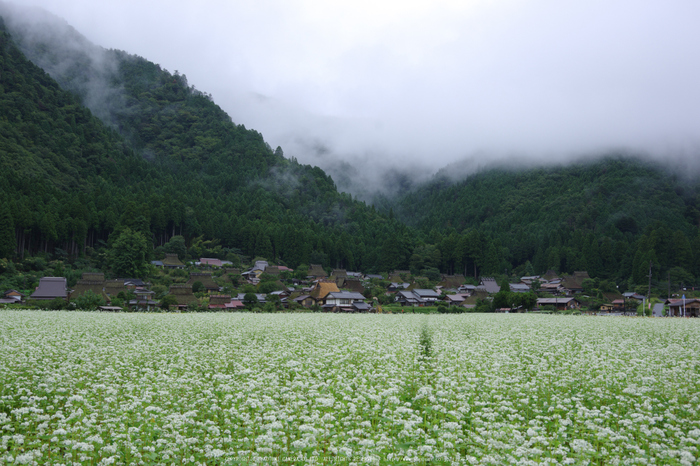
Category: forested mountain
[98,145]
[170,163]
[610,216]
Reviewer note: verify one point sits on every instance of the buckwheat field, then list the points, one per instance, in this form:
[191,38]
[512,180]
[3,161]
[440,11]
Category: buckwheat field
[227,389]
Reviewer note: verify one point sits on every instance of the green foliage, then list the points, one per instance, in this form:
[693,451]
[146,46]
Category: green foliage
[166,163]
[167,301]
[197,287]
[176,245]
[88,301]
[127,257]
[250,300]
[7,231]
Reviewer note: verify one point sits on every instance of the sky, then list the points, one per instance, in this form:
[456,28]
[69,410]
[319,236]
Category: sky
[422,84]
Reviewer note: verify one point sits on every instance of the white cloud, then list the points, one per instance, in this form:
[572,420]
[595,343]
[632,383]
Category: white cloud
[427,81]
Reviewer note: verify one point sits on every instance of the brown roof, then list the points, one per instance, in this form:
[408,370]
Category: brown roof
[219,299]
[316,270]
[84,285]
[94,282]
[171,260]
[339,273]
[205,279]
[452,281]
[353,284]
[322,289]
[575,281]
[114,287]
[183,294]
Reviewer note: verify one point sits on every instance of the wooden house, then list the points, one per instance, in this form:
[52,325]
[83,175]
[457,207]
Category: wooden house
[183,294]
[51,288]
[112,288]
[171,261]
[94,282]
[345,301]
[684,307]
[316,271]
[560,304]
[321,290]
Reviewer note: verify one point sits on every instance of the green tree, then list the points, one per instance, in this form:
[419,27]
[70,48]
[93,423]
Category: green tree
[197,287]
[89,301]
[127,257]
[7,232]
[250,300]
[167,301]
[176,245]
[528,300]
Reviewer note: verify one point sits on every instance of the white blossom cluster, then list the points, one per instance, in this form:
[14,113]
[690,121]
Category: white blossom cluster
[208,389]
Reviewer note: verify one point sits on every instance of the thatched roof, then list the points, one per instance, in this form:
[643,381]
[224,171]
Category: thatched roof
[183,294]
[114,287]
[316,270]
[91,281]
[339,273]
[395,276]
[171,260]
[83,286]
[575,281]
[351,284]
[452,281]
[219,299]
[322,289]
[205,279]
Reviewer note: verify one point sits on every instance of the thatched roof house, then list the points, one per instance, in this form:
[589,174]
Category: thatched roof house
[183,294]
[172,261]
[94,282]
[113,287]
[206,280]
[316,270]
[322,289]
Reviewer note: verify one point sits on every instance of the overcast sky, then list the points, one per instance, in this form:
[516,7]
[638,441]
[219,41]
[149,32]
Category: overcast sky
[427,82]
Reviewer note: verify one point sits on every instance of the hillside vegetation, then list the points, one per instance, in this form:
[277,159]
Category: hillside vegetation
[166,161]
[99,147]
[611,217]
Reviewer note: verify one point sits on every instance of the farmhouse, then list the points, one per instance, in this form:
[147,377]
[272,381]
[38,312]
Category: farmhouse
[51,288]
[94,282]
[171,261]
[345,301]
[183,294]
[205,279]
[560,304]
[684,308]
[11,297]
[418,297]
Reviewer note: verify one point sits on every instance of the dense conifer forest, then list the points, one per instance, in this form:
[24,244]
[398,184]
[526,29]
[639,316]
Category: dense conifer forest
[149,158]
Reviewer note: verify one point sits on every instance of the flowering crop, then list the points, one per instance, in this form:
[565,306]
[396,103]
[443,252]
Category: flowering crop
[93,388]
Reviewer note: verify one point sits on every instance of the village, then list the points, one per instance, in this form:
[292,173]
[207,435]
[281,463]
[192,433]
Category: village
[211,284]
